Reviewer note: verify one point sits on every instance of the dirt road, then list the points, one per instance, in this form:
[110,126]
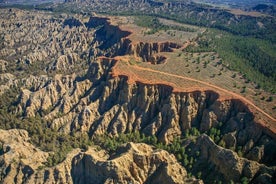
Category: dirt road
[235,95]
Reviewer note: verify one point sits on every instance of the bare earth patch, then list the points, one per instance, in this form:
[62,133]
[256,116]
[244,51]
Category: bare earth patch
[188,72]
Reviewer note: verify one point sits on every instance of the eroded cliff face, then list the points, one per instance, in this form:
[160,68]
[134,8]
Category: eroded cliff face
[100,103]
[112,41]
[132,163]
[17,156]
[135,163]
[146,51]
[89,98]
[227,163]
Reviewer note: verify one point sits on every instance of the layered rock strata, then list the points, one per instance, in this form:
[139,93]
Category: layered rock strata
[132,163]
[77,92]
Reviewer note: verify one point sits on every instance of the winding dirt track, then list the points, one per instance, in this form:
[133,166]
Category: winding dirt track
[246,101]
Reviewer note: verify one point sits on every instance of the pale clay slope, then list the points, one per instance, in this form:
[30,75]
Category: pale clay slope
[98,102]
[135,163]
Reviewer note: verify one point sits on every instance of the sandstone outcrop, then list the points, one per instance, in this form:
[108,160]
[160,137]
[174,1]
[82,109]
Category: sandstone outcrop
[17,156]
[230,165]
[132,163]
[116,41]
[111,105]
[146,51]
[65,82]
[97,102]
[135,163]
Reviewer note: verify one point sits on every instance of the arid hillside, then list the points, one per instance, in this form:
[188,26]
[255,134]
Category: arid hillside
[102,99]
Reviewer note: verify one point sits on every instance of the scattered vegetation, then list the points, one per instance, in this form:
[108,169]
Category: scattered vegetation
[49,139]
[244,180]
[39,130]
[250,56]
[215,134]
[185,157]
[155,25]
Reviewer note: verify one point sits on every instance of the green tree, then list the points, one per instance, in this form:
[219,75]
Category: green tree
[244,180]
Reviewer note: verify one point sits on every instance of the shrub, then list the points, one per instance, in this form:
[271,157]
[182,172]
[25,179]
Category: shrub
[269,99]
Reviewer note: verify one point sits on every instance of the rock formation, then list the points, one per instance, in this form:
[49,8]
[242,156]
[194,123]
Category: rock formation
[135,163]
[229,164]
[17,156]
[63,80]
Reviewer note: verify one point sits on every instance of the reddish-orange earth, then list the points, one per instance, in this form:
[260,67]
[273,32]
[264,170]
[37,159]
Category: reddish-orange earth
[135,73]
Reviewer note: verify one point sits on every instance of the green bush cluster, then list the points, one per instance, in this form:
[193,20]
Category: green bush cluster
[111,143]
[155,25]
[215,134]
[185,157]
